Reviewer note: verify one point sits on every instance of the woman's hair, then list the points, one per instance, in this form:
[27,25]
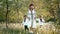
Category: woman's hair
[31,5]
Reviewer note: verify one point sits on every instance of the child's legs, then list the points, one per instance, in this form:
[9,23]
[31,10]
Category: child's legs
[26,27]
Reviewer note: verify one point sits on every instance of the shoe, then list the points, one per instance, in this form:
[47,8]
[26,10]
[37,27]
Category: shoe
[31,32]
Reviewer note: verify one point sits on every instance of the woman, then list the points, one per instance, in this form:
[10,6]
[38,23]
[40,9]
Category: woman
[32,17]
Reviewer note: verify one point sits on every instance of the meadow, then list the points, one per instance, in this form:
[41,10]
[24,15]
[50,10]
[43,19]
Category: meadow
[17,28]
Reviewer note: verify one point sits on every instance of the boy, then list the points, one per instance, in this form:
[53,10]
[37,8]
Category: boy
[25,22]
[41,20]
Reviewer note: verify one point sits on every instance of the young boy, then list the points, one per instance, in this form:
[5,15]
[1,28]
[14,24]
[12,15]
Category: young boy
[41,20]
[25,22]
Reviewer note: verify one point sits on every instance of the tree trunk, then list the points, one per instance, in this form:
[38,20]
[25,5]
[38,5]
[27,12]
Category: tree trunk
[58,11]
[7,14]
[17,11]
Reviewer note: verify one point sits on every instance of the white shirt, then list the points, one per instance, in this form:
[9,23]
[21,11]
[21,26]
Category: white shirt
[26,22]
[40,22]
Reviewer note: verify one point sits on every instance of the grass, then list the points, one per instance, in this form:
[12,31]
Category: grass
[11,31]
[17,30]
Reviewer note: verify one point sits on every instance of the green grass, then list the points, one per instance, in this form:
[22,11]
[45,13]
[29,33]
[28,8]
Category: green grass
[11,31]
[21,31]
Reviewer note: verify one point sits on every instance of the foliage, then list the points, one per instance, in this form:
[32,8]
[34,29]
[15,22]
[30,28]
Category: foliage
[18,8]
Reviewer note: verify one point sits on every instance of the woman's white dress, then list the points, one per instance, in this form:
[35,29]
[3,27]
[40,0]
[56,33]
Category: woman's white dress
[32,19]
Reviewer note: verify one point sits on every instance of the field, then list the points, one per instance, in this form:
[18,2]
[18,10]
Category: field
[17,28]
